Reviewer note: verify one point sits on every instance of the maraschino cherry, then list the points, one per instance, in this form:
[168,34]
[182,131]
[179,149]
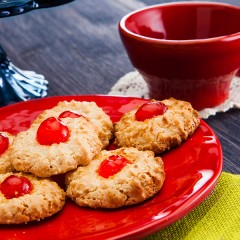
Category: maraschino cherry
[4,143]
[112,165]
[69,114]
[14,186]
[51,131]
[149,110]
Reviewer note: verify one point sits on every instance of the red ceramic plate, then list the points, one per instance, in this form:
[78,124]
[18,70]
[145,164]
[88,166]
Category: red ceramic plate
[192,171]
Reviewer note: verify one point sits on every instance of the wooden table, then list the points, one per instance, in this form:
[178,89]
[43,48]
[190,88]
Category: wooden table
[78,49]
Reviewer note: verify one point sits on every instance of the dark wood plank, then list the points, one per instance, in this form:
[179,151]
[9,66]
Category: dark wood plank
[226,127]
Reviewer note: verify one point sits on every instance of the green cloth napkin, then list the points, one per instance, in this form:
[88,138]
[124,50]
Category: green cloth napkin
[216,218]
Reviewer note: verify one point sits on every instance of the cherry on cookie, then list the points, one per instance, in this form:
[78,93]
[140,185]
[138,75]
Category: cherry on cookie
[14,186]
[51,131]
[112,165]
[150,110]
[69,114]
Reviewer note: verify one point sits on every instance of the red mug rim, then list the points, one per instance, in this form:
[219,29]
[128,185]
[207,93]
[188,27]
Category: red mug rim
[223,38]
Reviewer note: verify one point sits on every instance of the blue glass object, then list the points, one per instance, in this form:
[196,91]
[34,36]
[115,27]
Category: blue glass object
[19,85]
[15,7]
[16,84]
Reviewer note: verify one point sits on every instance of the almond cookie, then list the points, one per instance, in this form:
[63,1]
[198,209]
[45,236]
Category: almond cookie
[157,125]
[25,198]
[55,146]
[89,110]
[6,140]
[116,178]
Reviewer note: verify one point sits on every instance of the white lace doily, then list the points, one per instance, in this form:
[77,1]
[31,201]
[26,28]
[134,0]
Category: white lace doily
[132,84]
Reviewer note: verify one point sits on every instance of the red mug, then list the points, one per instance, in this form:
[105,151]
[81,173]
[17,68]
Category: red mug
[186,50]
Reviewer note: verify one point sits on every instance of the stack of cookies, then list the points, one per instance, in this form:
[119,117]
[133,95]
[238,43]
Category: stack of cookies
[73,140]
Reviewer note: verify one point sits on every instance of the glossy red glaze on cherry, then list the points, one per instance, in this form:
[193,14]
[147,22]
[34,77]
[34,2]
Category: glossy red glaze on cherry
[4,143]
[51,131]
[14,186]
[190,58]
[69,114]
[150,110]
[112,165]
